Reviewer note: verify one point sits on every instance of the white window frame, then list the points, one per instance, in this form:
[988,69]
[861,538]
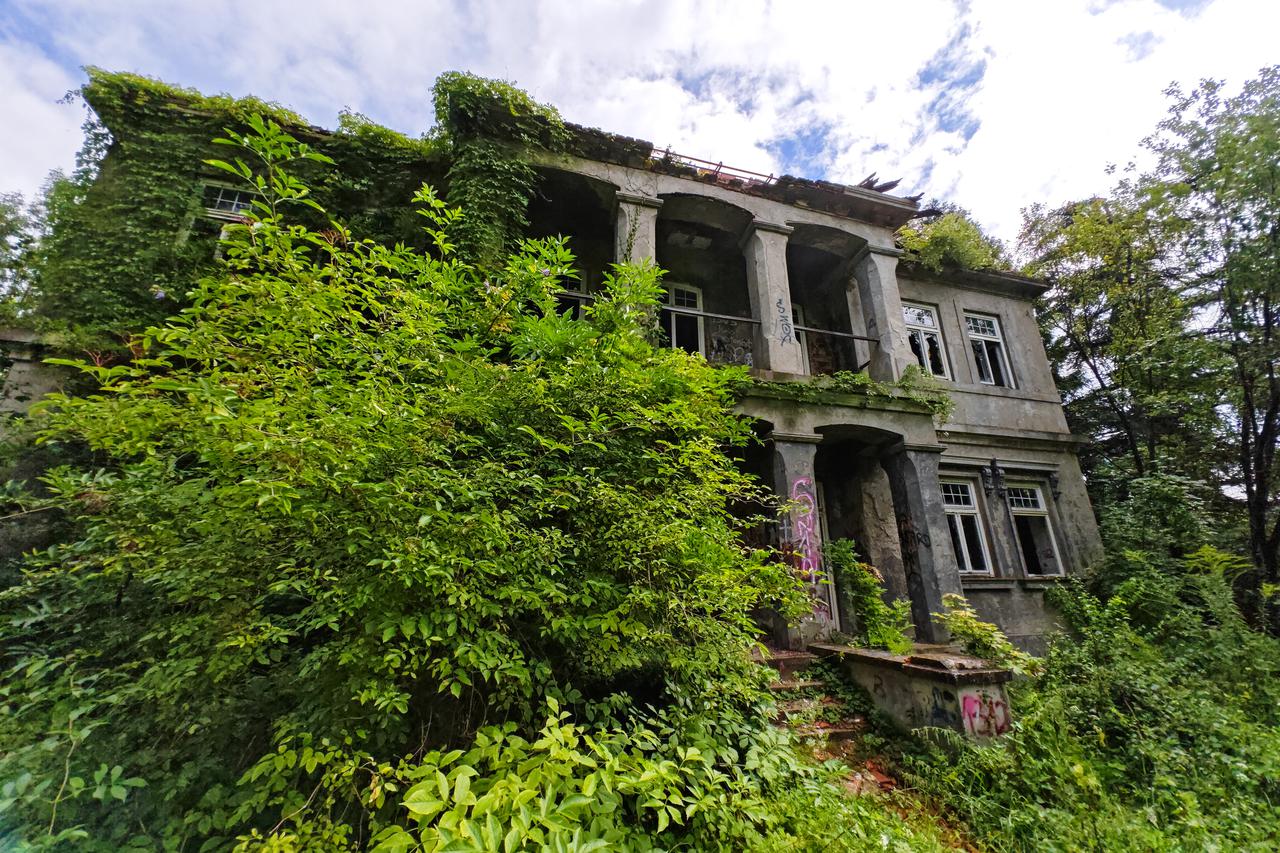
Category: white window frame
[1041,510]
[669,327]
[974,511]
[797,319]
[221,213]
[982,339]
[920,331]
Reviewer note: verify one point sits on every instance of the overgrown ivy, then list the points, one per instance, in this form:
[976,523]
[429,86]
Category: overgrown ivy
[484,123]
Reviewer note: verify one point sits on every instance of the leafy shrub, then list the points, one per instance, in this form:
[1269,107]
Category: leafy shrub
[982,639]
[879,625]
[1154,726]
[364,501]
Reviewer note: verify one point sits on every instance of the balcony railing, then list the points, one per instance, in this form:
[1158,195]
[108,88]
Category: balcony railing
[828,351]
[730,339]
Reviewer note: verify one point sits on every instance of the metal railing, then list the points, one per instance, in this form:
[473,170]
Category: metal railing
[719,171]
[828,351]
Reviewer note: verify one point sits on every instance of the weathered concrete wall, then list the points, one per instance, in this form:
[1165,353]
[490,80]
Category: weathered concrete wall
[1035,403]
[1018,606]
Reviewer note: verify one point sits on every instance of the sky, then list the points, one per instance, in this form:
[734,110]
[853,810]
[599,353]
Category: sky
[989,104]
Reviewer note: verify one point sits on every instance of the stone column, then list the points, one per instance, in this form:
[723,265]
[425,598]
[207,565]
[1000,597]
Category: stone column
[764,245]
[927,555]
[636,237]
[876,282]
[800,533]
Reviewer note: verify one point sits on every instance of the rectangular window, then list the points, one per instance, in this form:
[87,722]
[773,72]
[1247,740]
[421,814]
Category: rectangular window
[226,202]
[1036,542]
[683,331]
[988,350]
[965,525]
[925,339]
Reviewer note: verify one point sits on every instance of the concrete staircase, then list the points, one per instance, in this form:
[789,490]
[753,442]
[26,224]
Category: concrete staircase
[804,704]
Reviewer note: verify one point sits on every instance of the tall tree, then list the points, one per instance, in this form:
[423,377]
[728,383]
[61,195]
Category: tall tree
[1136,375]
[1219,172]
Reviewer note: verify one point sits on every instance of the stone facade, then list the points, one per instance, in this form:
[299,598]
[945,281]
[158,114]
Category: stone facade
[800,278]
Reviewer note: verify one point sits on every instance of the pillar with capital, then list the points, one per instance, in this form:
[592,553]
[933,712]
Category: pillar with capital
[876,284]
[800,533]
[636,236]
[764,246]
[928,559]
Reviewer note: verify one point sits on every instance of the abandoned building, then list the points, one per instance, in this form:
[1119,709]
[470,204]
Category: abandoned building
[801,279]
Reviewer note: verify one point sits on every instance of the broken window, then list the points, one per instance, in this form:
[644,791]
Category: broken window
[226,202]
[965,524]
[681,321]
[925,339]
[1036,542]
[988,350]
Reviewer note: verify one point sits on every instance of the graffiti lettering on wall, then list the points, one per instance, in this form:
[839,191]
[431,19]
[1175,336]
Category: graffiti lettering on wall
[942,709]
[727,352]
[786,332]
[807,545]
[984,714]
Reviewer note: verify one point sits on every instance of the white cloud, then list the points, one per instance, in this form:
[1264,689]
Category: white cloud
[39,133]
[1065,87]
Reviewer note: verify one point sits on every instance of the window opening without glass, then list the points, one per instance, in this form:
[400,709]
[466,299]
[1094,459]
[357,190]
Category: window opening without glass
[1036,542]
[965,524]
[988,350]
[683,331]
[925,338]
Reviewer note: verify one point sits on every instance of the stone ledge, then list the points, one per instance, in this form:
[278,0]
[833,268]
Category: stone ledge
[934,686]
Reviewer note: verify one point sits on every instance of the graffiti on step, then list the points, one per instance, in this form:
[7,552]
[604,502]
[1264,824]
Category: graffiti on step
[807,545]
[941,709]
[984,715]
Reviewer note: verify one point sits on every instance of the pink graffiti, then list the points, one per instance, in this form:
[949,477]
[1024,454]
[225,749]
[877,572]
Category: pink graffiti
[807,542]
[983,715]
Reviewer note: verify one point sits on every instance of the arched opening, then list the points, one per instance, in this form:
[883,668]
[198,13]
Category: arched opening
[579,208]
[828,318]
[856,502]
[708,308]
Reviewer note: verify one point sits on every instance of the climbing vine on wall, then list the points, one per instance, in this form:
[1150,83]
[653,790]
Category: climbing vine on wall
[127,237]
[485,124]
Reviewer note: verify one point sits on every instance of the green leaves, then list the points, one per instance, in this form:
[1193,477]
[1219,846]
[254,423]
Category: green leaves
[358,500]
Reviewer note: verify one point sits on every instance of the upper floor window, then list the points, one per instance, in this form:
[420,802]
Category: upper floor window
[1036,542]
[925,338]
[226,202]
[965,524]
[683,330]
[988,350]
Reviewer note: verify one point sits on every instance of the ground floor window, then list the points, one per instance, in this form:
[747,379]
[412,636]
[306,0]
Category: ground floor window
[965,524]
[1036,541]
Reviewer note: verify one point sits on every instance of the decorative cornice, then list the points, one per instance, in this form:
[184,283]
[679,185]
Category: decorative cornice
[639,200]
[795,437]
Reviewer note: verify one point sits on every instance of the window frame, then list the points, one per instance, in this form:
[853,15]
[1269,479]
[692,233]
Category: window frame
[1039,511]
[798,320]
[669,328]
[935,330]
[973,510]
[220,213]
[985,340]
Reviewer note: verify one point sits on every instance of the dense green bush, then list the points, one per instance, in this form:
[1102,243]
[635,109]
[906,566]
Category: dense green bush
[1156,722]
[375,498]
